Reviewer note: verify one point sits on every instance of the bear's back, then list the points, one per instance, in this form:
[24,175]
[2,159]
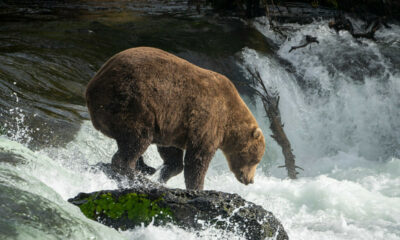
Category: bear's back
[161,89]
[148,69]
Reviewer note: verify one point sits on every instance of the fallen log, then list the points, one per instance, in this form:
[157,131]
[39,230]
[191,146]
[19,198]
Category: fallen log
[147,202]
[342,23]
[271,106]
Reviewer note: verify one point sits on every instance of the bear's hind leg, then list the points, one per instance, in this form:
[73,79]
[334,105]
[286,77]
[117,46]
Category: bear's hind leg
[129,151]
[173,162]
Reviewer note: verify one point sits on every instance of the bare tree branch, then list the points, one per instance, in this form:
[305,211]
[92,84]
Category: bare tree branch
[271,106]
[309,40]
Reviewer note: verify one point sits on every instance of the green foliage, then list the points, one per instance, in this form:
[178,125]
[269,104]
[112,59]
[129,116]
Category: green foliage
[3,130]
[334,3]
[314,3]
[225,4]
[136,207]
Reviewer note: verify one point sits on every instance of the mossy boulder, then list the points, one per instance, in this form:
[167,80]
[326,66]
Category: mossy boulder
[125,209]
[128,208]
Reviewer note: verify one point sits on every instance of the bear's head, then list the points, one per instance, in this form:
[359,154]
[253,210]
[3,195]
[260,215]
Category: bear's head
[246,155]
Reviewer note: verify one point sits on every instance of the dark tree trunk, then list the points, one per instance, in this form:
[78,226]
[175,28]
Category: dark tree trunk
[252,8]
[271,107]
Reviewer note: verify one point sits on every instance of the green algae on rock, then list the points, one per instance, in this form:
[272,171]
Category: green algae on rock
[131,207]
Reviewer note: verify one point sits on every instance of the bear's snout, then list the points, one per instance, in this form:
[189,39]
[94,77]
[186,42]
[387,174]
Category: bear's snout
[246,180]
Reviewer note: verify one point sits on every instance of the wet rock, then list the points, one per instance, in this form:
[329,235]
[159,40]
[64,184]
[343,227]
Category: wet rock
[143,203]
[11,158]
[297,12]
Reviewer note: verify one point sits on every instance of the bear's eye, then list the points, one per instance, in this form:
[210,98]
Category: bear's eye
[255,161]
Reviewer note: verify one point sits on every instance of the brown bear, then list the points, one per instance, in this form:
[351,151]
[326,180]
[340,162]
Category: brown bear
[144,96]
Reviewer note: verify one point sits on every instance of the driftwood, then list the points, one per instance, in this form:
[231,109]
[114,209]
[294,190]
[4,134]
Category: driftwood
[309,40]
[271,107]
[342,23]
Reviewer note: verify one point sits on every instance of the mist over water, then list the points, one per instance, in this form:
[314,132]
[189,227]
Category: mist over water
[340,103]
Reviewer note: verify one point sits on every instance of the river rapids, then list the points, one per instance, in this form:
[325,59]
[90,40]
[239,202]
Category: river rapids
[339,101]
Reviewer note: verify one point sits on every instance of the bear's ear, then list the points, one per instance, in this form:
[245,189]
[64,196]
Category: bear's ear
[257,133]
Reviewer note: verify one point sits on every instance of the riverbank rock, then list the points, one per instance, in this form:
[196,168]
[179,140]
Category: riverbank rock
[145,202]
[128,208]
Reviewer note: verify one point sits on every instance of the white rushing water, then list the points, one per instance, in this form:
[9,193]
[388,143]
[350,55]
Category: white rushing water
[341,110]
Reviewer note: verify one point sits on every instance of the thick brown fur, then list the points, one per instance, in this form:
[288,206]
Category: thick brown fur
[145,95]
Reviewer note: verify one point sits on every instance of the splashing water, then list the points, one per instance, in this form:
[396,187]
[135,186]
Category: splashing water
[17,130]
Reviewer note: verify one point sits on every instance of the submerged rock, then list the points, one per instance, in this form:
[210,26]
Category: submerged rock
[128,208]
